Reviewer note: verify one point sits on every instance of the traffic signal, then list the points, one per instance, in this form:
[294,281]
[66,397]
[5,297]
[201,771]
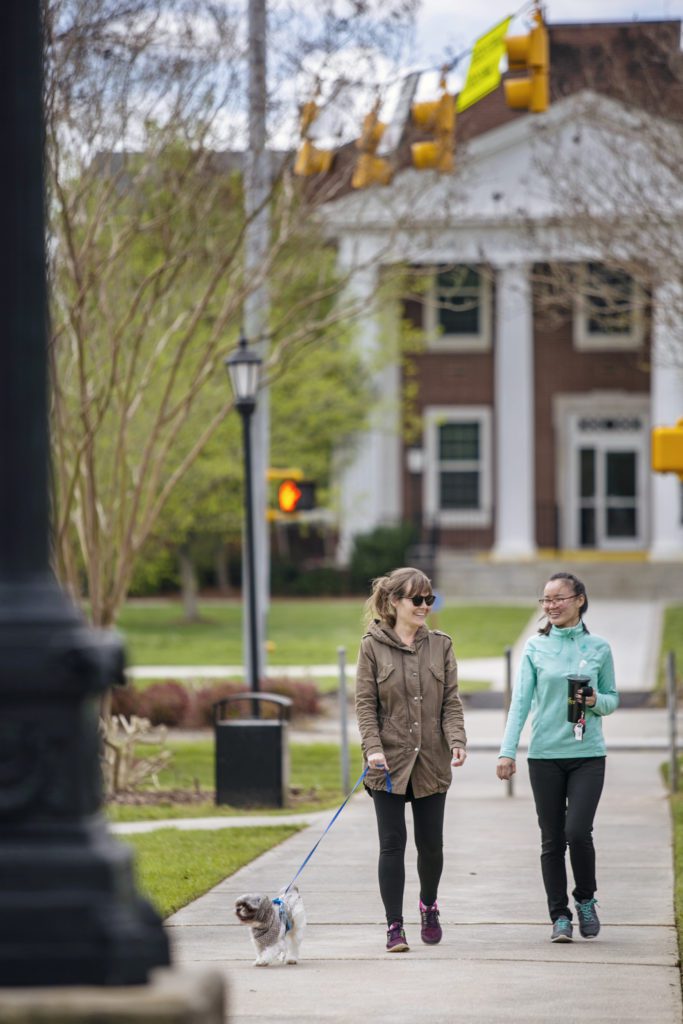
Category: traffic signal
[370,168]
[296,495]
[667,449]
[437,117]
[530,53]
[309,159]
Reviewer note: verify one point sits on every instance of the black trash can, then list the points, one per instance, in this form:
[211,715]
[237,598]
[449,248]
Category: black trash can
[252,754]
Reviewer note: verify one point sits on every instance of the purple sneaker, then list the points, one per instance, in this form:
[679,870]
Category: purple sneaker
[431,929]
[396,938]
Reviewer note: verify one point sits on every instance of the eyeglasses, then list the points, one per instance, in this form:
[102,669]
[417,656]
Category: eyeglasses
[555,600]
[417,600]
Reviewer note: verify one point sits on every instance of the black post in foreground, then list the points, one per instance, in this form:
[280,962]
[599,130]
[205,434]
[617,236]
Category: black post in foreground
[69,911]
[243,367]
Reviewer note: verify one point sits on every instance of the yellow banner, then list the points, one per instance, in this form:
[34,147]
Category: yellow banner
[484,71]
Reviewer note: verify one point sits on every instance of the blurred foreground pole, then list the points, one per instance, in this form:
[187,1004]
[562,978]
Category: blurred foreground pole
[69,910]
[507,699]
[672,702]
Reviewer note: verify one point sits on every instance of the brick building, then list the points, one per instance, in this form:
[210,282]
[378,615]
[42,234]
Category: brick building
[542,293]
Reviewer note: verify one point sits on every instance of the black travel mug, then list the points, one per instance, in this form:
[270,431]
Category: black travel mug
[574,708]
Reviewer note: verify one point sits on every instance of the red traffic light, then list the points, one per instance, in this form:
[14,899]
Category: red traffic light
[288,496]
[296,496]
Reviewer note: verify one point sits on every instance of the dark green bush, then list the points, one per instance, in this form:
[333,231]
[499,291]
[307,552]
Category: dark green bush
[378,552]
[291,580]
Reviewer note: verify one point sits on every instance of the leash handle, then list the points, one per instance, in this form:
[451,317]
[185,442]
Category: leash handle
[332,821]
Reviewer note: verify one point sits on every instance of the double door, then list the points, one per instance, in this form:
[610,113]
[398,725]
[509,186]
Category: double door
[608,485]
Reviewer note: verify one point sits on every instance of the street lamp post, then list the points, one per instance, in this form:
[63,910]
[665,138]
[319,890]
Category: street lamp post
[70,913]
[243,368]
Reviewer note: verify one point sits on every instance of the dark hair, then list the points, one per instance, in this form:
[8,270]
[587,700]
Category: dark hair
[579,591]
[400,583]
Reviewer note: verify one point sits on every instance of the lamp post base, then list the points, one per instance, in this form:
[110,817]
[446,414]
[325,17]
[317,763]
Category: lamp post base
[69,909]
[74,917]
[179,996]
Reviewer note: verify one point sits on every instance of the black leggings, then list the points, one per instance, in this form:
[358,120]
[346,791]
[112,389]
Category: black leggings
[428,812]
[567,791]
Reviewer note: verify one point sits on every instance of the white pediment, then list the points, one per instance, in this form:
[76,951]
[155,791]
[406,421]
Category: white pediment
[587,158]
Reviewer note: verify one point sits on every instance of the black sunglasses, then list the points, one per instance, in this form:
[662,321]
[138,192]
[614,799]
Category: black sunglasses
[419,598]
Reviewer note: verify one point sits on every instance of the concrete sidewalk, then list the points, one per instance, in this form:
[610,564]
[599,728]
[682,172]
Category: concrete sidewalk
[496,963]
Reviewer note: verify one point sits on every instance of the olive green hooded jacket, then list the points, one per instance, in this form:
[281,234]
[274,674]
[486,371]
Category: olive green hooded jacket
[409,708]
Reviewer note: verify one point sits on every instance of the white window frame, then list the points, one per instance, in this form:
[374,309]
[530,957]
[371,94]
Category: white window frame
[440,342]
[567,411]
[586,341]
[434,417]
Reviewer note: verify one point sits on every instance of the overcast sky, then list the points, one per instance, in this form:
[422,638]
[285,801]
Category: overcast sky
[447,27]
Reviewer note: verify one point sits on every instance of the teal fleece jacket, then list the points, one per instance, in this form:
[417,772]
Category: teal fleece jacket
[541,687]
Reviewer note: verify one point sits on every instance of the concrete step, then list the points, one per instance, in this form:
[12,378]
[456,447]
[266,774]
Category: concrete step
[465,577]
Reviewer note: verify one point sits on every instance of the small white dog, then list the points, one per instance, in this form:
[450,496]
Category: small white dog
[277,926]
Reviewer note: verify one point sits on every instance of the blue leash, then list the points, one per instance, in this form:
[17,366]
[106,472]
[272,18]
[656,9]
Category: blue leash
[336,815]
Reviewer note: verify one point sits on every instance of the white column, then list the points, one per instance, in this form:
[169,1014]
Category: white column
[514,416]
[666,393]
[370,483]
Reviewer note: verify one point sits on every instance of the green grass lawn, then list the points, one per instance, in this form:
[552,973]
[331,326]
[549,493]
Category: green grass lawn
[672,640]
[315,775]
[173,868]
[301,632]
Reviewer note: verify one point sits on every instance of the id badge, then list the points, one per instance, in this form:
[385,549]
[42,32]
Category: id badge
[578,731]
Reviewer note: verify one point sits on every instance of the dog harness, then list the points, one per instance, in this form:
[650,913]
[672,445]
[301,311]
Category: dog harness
[282,911]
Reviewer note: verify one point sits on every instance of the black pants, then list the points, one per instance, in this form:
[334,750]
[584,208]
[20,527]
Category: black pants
[428,812]
[567,792]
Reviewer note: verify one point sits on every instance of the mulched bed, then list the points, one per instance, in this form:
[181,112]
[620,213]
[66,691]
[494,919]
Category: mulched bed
[152,797]
[156,797]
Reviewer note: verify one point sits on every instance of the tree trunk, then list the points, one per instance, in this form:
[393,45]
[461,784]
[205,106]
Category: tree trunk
[188,585]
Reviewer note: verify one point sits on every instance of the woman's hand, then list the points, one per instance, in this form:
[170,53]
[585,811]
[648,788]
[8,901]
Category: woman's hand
[590,701]
[378,760]
[459,757]
[505,768]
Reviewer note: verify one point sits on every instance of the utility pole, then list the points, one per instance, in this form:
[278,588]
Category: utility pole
[257,186]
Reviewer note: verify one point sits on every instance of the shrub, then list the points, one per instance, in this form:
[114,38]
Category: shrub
[122,769]
[378,552]
[202,714]
[125,700]
[165,703]
[302,692]
[299,580]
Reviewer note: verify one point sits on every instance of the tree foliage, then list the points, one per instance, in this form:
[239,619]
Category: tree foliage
[147,226]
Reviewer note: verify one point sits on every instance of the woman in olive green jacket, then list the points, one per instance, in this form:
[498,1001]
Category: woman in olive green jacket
[412,731]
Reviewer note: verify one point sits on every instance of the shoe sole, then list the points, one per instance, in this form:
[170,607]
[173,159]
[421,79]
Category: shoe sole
[432,942]
[562,938]
[402,947]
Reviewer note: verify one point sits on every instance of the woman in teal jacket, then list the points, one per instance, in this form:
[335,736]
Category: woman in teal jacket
[566,764]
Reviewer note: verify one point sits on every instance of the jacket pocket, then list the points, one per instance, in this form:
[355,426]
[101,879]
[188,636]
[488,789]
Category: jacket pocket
[438,674]
[383,673]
